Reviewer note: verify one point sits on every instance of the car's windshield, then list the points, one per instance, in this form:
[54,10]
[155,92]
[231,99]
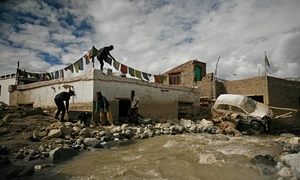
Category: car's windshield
[249,105]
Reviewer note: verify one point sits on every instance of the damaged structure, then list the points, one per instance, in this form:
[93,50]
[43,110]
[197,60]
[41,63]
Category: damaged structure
[279,94]
[184,90]
[155,100]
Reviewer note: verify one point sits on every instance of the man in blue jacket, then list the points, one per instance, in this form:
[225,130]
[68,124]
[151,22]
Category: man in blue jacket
[59,101]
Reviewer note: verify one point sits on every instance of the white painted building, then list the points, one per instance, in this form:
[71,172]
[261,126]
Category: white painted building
[5,82]
[156,100]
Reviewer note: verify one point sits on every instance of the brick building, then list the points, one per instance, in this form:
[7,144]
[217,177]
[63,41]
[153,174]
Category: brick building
[266,89]
[187,74]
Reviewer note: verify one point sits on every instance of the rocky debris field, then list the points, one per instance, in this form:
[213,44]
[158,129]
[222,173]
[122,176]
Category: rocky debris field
[28,134]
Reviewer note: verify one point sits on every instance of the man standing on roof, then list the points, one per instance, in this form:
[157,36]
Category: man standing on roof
[103,53]
[59,101]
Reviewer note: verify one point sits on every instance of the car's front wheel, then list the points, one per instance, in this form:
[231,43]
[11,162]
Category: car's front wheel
[258,127]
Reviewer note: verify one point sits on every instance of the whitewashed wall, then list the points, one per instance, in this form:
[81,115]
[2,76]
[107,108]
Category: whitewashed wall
[42,93]
[5,83]
[156,100]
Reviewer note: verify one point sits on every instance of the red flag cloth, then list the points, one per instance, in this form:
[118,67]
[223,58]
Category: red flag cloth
[123,69]
[156,78]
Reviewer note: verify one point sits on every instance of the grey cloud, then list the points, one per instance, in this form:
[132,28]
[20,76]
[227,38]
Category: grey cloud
[146,32]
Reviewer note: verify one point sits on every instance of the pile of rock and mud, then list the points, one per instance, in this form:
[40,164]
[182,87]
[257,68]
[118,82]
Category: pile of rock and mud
[31,133]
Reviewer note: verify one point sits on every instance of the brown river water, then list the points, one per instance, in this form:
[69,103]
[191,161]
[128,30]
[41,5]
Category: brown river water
[186,156]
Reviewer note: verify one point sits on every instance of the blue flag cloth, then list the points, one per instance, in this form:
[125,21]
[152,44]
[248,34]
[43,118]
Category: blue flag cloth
[145,76]
[56,76]
[108,60]
[80,64]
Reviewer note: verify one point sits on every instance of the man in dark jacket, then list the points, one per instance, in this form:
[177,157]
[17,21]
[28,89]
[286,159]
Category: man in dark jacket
[59,101]
[103,53]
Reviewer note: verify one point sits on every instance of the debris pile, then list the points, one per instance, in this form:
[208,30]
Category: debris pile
[29,133]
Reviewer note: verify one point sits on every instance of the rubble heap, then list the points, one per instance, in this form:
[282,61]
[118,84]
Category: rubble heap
[35,135]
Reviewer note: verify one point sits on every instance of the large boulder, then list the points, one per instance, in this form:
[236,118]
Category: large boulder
[92,142]
[266,159]
[54,133]
[85,132]
[205,125]
[186,123]
[61,154]
[66,131]
[293,161]
[166,125]
[124,127]
[294,140]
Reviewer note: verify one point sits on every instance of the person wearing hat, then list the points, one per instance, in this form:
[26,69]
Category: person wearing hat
[59,101]
[103,53]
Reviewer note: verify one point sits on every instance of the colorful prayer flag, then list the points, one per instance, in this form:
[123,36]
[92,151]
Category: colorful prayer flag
[116,65]
[71,68]
[56,75]
[80,64]
[108,60]
[156,79]
[48,76]
[145,76]
[61,74]
[131,71]
[162,78]
[76,66]
[123,69]
[87,61]
[138,74]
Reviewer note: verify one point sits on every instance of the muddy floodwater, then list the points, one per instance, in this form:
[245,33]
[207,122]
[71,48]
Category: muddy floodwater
[186,156]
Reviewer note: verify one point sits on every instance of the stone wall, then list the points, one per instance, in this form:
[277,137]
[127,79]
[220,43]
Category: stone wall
[187,71]
[284,93]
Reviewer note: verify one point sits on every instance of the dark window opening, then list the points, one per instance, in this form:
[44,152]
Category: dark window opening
[185,110]
[257,98]
[175,78]
[0,90]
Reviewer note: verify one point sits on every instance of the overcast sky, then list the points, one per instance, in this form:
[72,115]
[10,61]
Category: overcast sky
[154,35]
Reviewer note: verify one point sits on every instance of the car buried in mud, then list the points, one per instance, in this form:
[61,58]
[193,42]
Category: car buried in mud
[250,113]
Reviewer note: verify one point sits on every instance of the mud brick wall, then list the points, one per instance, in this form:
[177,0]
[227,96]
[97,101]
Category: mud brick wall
[284,93]
[206,89]
[250,87]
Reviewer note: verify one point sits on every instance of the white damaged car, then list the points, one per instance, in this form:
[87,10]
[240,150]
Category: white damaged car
[251,113]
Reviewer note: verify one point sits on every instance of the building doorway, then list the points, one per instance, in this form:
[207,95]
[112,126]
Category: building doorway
[185,110]
[124,107]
